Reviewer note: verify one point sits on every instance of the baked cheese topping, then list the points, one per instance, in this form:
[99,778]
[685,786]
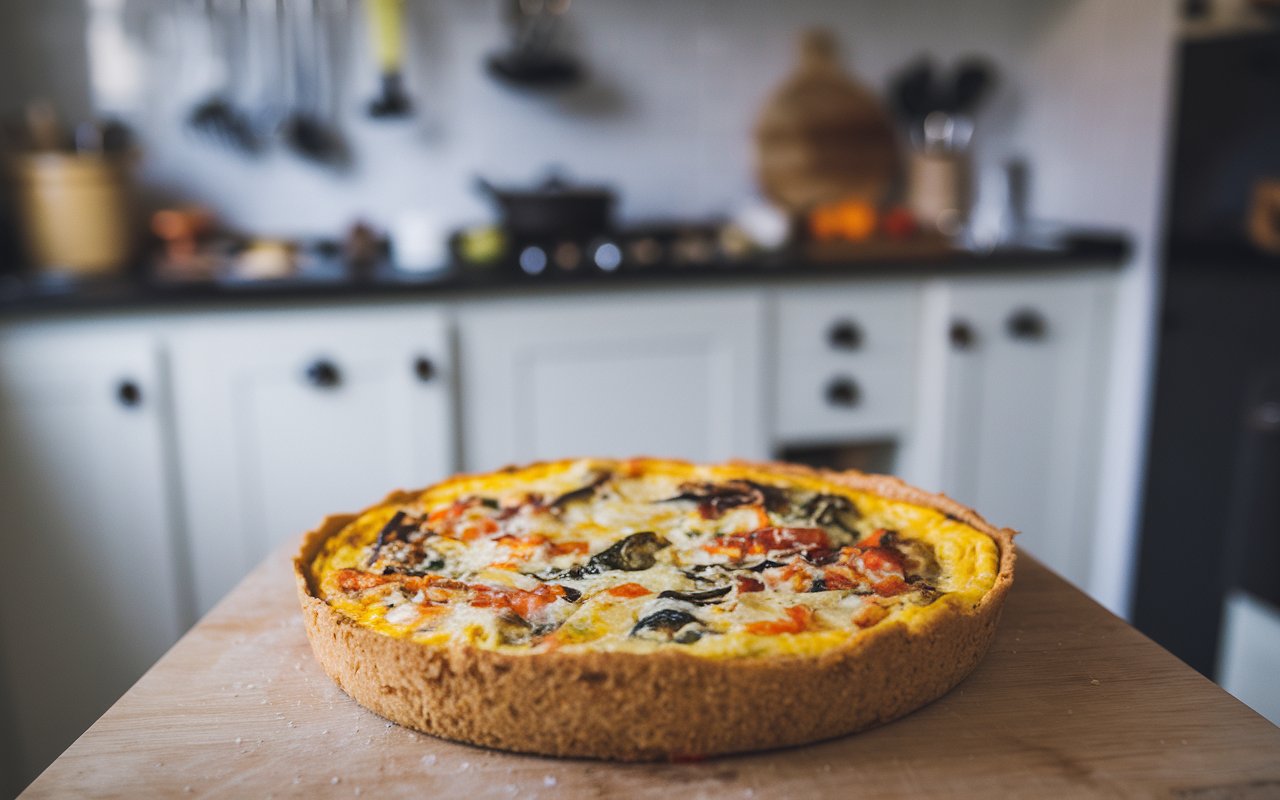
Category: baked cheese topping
[645,555]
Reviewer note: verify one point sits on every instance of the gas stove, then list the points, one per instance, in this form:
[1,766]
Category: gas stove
[637,248]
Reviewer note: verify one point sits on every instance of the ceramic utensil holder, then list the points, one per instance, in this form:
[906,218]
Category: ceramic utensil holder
[76,212]
[940,190]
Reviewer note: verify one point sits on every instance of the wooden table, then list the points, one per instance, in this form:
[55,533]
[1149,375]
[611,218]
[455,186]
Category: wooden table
[1070,701]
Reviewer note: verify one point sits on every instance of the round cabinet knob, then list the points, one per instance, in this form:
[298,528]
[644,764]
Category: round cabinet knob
[845,335]
[843,392]
[424,368]
[1027,324]
[323,374]
[962,335]
[128,394]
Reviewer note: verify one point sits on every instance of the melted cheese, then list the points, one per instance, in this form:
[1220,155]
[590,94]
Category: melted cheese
[487,546]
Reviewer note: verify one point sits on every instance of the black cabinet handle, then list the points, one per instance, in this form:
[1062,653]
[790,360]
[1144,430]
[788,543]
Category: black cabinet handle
[962,335]
[128,393]
[843,392]
[845,335]
[323,374]
[1027,324]
[424,368]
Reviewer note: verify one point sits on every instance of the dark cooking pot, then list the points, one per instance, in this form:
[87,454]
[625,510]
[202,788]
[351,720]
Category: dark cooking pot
[556,208]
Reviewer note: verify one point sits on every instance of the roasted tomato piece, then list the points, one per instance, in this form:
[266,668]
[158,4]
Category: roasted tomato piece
[471,530]
[522,602]
[459,521]
[798,574]
[628,590]
[798,619]
[748,584]
[769,540]
[882,559]
[869,615]
[569,548]
[528,603]
[354,580]
[841,577]
[522,547]
[890,586]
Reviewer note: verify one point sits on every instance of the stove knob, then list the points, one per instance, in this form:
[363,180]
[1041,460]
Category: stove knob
[533,260]
[568,256]
[607,256]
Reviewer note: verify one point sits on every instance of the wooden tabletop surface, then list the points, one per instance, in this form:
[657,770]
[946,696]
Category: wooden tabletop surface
[1070,701]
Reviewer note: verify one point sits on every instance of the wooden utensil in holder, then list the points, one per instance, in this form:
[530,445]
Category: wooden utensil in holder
[77,212]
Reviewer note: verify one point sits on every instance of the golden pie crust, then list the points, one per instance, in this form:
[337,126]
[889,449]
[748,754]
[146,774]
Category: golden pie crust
[666,704]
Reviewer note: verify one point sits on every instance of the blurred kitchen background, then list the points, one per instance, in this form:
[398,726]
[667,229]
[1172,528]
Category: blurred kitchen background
[261,260]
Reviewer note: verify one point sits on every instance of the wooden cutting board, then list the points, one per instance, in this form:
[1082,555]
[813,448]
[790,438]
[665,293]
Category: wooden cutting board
[1070,702]
[823,137]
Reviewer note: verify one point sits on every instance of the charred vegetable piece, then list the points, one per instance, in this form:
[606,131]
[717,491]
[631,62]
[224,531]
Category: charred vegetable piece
[636,552]
[766,564]
[582,492]
[571,594]
[706,597]
[668,620]
[775,497]
[714,499]
[832,510]
[425,568]
[397,526]
[926,592]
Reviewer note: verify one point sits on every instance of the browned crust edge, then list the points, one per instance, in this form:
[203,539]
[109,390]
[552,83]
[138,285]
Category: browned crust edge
[652,706]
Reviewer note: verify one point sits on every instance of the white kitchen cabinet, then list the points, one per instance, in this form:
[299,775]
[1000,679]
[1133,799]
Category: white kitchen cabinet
[90,562]
[285,417]
[670,374]
[846,361]
[1018,390]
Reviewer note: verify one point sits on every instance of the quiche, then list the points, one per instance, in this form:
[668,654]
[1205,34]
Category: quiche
[649,609]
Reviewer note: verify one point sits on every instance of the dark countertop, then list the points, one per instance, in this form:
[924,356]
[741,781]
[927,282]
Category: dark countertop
[23,296]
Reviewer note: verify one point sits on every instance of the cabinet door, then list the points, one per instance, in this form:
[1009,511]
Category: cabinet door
[91,566]
[846,361]
[665,375]
[1024,380]
[283,419]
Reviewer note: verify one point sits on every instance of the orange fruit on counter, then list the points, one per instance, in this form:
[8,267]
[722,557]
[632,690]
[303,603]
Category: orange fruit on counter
[847,220]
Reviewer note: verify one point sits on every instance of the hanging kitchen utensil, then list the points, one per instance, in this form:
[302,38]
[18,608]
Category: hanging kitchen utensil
[914,93]
[309,129]
[386,23]
[534,60]
[969,88]
[823,137]
[217,118]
